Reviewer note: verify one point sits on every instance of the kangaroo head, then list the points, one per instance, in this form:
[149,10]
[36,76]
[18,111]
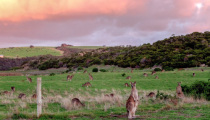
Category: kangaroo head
[179,83]
[133,85]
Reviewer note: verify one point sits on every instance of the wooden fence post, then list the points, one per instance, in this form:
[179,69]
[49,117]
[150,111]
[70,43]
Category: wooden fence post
[39,97]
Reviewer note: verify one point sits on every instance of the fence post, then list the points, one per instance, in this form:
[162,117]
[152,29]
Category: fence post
[39,97]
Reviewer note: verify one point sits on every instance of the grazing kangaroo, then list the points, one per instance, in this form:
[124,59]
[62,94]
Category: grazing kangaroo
[22,96]
[162,70]
[34,96]
[202,70]
[87,84]
[127,85]
[29,79]
[145,74]
[13,89]
[151,95]
[153,72]
[193,74]
[85,71]
[6,92]
[90,76]
[77,102]
[179,92]
[129,77]
[132,102]
[156,77]
[111,95]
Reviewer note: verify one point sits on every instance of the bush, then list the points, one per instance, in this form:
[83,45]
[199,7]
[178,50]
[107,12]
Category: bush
[80,68]
[198,90]
[52,74]
[103,70]
[123,74]
[168,68]
[95,70]
[157,69]
[163,96]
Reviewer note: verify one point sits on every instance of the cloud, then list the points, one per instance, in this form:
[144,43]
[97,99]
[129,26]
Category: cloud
[99,22]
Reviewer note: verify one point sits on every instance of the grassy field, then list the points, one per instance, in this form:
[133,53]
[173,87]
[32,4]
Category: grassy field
[86,47]
[29,52]
[58,92]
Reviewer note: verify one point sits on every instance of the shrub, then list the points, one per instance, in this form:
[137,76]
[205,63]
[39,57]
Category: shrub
[163,96]
[103,70]
[123,74]
[168,68]
[52,74]
[198,89]
[80,68]
[157,69]
[95,70]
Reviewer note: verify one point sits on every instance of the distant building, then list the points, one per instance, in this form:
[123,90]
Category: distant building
[1,56]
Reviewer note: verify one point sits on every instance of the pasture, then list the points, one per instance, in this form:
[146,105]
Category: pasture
[29,52]
[57,95]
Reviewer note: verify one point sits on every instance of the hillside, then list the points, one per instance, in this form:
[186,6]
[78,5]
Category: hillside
[183,51]
[19,52]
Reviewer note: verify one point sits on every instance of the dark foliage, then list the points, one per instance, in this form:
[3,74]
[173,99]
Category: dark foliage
[157,69]
[198,89]
[95,70]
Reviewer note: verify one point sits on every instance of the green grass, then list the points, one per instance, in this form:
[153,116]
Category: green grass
[86,47]
[28,52]
[103,83]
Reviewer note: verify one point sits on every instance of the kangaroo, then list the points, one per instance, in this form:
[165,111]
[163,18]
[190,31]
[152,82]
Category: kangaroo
[13,89]
[6,92]
[90,76]
[127,85]
[156,77]
[69,78]
[34,96]
[77,102]
[193,74]
[111,95]
[151,95]
[87,84]
[22,96]
[145,74]
[202,70]
[29,79]
[162,70]
[153,72]
[132,102]
[179,92]
[129,77]
[85,71]
[132,70]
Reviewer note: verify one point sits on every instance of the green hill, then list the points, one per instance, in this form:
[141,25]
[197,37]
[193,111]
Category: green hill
[14,52]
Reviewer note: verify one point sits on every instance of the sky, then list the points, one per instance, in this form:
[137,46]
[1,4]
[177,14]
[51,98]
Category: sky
[99,22]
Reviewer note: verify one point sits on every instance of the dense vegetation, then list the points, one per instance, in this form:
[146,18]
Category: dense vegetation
[198,89]
[175,52]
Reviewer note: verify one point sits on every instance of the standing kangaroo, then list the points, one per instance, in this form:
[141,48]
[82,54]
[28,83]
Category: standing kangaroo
[29,79]
[13,89]
[193,74]
[69,78]
[90,76]
[131,70]
[132,102]
[179,92]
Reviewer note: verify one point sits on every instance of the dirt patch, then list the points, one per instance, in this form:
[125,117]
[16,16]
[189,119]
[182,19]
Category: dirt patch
[11,74]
